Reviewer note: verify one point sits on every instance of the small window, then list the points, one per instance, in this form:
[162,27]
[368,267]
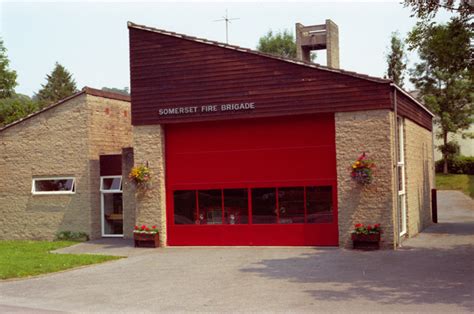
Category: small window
[54,185]
[111,184]
[291,205]
[210,207]
[264,206]
[236,206]
[319,204]
[185,208]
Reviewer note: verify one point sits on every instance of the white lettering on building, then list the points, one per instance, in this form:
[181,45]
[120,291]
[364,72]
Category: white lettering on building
[206,109]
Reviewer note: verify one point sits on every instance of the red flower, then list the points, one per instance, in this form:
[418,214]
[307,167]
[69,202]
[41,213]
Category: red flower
[143,227]
[358,225]
[136,228]
[154,227]
[377,225]
[369,227]
[147,229]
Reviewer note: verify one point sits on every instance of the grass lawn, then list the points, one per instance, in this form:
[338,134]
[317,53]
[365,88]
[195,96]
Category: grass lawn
[461,182]
[29,258]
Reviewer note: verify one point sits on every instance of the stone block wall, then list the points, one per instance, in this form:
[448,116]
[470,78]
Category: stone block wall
[371,132]
[419,169]
[149,148]
[109,130]
[52,143]
[129,190]
[65,140]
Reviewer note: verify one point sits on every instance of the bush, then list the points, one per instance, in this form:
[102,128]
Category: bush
[78,236]
[458,165]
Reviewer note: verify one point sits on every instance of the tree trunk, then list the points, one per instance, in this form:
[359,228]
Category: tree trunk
[445,155]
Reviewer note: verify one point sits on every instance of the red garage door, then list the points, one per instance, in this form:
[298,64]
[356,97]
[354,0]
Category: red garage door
[265,181]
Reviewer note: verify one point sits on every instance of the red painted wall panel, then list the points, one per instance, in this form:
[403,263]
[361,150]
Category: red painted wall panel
[271,152]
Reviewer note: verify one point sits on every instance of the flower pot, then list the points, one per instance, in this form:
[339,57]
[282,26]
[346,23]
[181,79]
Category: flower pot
[366,241]
[146,239]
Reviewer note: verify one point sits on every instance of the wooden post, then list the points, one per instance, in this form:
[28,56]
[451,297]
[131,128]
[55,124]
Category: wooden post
[434,206]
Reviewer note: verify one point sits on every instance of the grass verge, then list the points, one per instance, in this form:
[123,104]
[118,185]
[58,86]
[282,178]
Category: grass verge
[30,258]
[462,182]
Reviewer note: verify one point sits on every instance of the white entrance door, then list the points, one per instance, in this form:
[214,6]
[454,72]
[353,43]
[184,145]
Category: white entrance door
[111,206]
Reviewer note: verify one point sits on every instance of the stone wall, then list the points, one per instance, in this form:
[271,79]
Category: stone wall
[129,204]
[65,140]
[148,144]
[53,143]
[109,130]
[371,132]
[419,169]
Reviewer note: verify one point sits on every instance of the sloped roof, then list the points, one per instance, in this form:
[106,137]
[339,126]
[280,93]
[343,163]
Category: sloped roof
[85,90]
[246,50]
[289,60]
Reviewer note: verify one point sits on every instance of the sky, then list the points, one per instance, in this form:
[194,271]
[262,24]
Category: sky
[90,38]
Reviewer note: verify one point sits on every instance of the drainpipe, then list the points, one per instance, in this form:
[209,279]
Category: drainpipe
[433,147]
[395,164]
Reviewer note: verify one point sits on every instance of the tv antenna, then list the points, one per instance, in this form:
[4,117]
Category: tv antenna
[227,20]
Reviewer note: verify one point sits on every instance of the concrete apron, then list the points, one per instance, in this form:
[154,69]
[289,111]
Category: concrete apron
[432,272]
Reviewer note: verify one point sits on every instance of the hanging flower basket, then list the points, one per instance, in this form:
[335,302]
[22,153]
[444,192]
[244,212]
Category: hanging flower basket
[362,170]
[141,176]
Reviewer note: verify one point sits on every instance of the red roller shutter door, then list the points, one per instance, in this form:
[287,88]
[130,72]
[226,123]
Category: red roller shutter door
[265,181]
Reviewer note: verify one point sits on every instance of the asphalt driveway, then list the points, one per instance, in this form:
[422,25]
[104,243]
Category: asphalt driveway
[433,272]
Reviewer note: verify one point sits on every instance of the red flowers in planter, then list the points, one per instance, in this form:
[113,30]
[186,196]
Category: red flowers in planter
[366,237]
[369,229]
[145,229]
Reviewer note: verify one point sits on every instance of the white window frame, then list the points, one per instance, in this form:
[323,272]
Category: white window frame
[34,192]
[110,177]
[401,170]
[102,203]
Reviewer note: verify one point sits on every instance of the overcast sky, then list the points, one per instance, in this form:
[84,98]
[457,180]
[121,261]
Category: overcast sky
[91,38]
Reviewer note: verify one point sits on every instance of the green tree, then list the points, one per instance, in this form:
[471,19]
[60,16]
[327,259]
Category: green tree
[280,44]
[444,76]
[16,107]
[427,9]
[396,60]
[7,76]
[124,91]
[59,85]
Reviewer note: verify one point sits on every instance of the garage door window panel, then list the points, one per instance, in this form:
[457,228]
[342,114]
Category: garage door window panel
[319,204]
[236,206]
[185,209]
[210,207]
[264,206]
[291,207]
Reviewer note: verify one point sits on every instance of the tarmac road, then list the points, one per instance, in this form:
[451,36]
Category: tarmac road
[433,272]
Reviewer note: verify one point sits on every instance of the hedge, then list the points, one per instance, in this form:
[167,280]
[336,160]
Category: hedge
[458,165]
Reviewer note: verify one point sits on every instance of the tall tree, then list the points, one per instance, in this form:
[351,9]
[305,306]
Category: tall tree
[280,44]
[7,76]
[59,85]
[444,76]
[16,107]
[427,9]
[396,60]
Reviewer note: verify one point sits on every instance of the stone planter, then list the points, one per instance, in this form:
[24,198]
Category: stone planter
[146,239]
[366,242]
